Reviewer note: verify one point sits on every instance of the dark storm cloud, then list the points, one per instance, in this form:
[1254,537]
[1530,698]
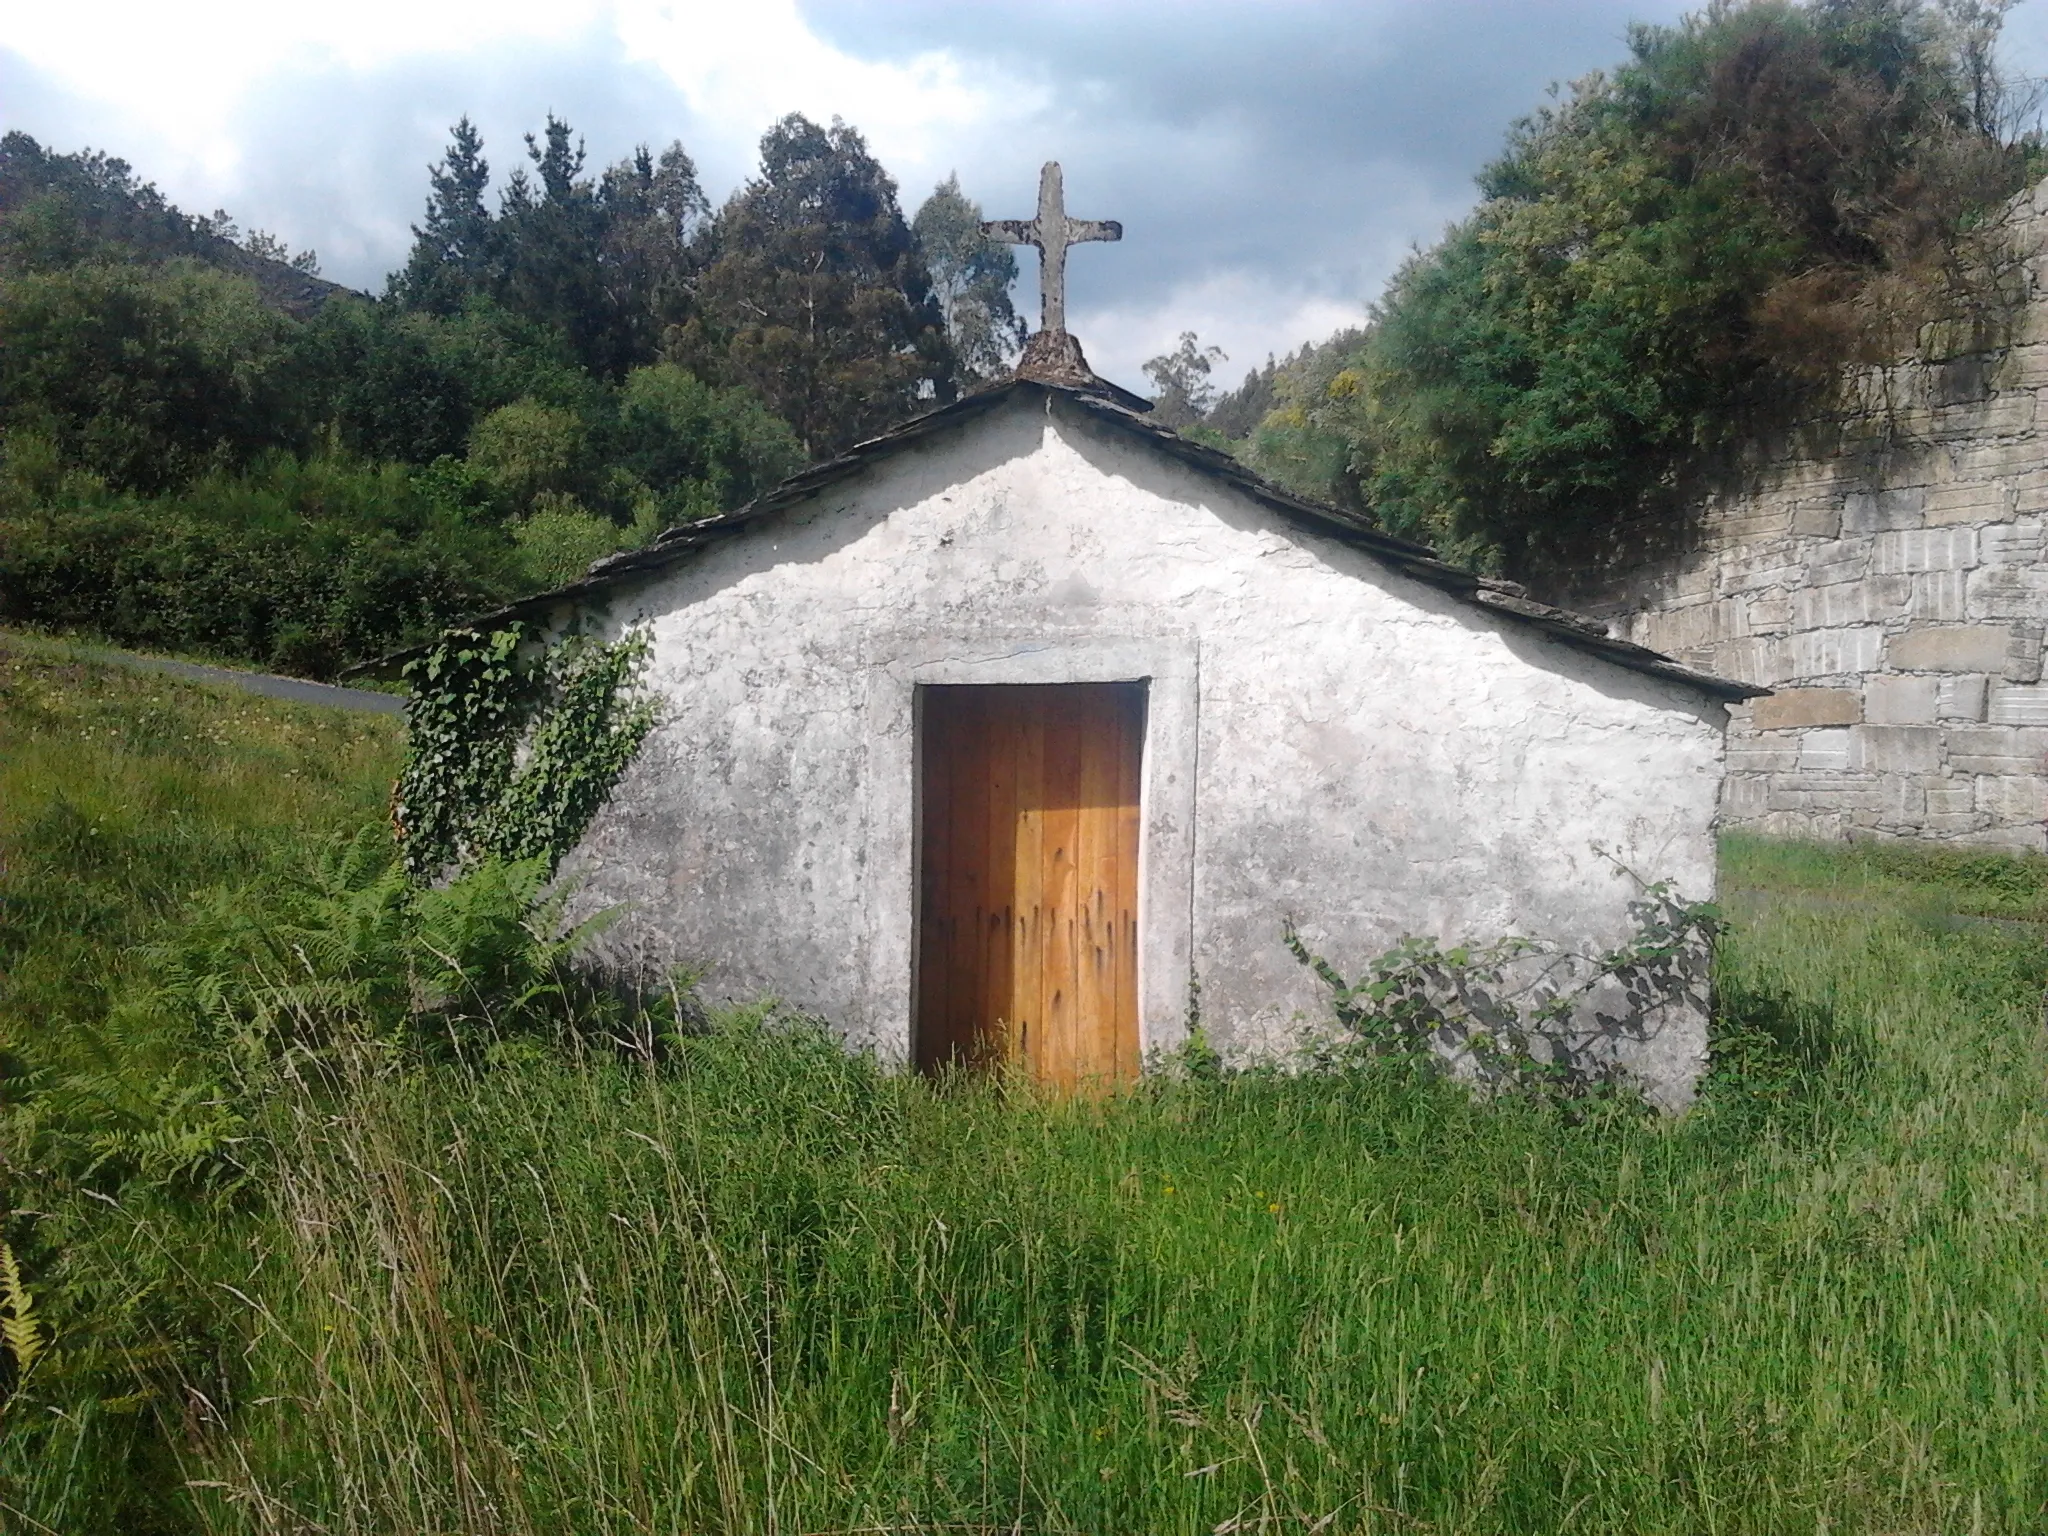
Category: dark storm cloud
[1308,141]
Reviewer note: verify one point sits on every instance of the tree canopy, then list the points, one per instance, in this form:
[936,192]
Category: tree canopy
[815,295]
[1669,259]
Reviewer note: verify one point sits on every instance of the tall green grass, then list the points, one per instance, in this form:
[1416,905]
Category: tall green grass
[122,798]
[762,1286]
[745,1282]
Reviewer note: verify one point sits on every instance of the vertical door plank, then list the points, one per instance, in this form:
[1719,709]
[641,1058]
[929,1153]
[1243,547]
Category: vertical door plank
[1066,716]
[1026,873]
[1124,908]
[991,940]
[1096,865]
[980,837]
[935,954]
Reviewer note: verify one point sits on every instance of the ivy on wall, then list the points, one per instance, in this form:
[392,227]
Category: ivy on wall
[512,745]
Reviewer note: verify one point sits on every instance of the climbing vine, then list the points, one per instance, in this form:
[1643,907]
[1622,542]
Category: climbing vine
[1521,1012]
[512,745]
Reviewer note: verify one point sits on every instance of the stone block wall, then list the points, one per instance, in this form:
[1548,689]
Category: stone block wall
[1893,588]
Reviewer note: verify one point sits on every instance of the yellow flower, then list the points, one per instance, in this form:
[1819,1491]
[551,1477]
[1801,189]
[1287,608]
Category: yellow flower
[1274,1208]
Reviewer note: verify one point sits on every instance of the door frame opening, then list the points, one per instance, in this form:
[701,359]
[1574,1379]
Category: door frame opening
[1031,805]
[893,811]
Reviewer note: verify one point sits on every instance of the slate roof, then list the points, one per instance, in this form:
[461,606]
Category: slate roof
[1107,406]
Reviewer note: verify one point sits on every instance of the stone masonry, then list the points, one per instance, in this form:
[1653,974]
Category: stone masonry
[1892,589]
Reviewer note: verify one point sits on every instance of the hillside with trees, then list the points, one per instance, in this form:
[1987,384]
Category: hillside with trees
[210,449]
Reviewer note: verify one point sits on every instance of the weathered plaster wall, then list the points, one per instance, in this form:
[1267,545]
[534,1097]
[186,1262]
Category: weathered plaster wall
[1327,741]
[1892,587]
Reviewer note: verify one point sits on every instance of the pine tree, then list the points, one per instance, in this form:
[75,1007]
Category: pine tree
[453,253]
[552,237]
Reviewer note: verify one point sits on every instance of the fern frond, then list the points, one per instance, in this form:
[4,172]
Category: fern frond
[21,1331]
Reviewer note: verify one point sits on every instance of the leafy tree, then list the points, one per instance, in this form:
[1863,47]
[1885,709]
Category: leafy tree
[145,376]
[551,238]
[559,539]
[654,211]
[1309,439]
[1672,257]
[816,297]
[971,277]
[1237,414]
[699,449]
[1182,379]
[525,448]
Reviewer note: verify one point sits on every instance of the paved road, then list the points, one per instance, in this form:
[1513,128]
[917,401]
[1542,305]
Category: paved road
[268,685]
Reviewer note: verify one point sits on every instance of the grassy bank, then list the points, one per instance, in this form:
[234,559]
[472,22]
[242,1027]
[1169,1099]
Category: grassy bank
[122,794]
[755,1285]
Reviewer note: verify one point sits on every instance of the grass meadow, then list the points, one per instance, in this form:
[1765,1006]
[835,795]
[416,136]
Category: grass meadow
[746,1283]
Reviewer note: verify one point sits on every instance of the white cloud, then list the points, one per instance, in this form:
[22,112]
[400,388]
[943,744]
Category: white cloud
[172,76]
[742,68]
[1243,312]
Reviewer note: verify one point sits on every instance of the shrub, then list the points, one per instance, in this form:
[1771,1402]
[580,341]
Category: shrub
[302,565]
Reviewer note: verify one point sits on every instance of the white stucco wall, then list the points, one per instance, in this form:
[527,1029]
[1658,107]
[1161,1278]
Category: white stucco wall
[1328,741]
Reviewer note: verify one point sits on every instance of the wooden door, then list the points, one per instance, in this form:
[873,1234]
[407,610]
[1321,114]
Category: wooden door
[1028,931]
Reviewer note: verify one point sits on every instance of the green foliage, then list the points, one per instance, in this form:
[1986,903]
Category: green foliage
[1304,440]
[605,264]
[696,448]
[1677,256]
[558,540]
[815,295]
[518,405]
[393,385]
[144,377]
[509,754]
[1519,1013]
[525,448]
[122,797]
[303,565]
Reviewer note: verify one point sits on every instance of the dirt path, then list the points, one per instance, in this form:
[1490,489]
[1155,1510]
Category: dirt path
[268,685]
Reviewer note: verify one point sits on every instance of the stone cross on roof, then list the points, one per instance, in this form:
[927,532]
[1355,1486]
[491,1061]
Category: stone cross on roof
[1052,232]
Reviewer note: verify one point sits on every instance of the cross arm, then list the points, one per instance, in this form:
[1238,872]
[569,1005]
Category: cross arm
[1094,229]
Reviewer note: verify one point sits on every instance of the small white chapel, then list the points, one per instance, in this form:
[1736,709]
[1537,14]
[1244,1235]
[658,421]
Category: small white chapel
[1024,731]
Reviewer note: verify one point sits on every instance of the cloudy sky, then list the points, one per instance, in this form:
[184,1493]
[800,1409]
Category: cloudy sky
[1271,162]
